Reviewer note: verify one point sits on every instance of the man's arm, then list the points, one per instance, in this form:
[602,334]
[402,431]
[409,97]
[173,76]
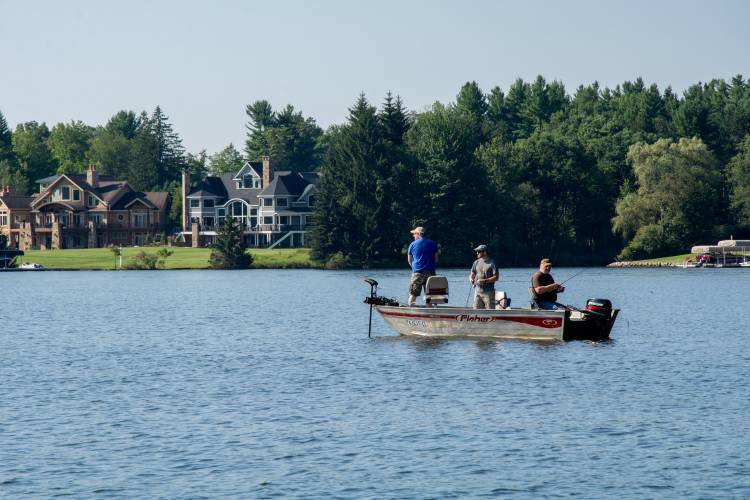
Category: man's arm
[409,259]
[554,287]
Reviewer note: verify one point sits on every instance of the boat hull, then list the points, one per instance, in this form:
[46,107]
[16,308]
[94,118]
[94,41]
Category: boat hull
[532,324]
[465,322]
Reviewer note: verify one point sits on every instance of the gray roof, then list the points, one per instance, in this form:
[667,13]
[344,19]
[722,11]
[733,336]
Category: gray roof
[284,183]
[13,201]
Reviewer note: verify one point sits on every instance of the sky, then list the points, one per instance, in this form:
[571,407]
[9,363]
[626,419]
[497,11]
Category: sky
[203,62]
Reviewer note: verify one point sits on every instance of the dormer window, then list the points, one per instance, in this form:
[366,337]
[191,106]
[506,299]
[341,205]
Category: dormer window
[256,183]
[76,195]
[247,182]
[65,192]
[281,202]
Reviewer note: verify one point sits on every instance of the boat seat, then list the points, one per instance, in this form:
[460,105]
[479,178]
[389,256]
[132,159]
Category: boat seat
[534,298]
[436,290]
[502,300]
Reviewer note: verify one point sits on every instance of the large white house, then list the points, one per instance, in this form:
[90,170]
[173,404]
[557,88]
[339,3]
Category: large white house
[274,208]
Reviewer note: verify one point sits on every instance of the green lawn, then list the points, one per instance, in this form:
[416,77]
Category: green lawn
[674,259]
[182,258]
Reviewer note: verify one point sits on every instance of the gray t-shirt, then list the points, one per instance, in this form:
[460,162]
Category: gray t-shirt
[483,269]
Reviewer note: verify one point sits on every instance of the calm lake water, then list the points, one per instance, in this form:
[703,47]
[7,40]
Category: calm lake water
[263,383]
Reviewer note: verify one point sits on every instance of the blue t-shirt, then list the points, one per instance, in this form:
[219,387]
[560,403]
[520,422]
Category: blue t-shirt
[422,253]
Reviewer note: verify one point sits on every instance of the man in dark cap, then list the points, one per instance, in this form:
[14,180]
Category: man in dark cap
[483,275]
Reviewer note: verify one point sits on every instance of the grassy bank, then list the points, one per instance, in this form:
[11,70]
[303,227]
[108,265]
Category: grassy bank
[672,260]
[182,258]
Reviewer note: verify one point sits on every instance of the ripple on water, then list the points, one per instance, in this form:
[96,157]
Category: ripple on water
[202,384]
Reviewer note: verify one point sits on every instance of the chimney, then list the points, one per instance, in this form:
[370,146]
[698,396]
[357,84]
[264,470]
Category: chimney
[91,176]
[185,191]
[267,171]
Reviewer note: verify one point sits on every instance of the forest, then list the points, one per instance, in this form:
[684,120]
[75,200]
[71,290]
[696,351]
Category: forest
[533,171]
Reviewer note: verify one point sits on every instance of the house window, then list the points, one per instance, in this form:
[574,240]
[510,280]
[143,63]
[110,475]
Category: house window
[66,192]
[76,195]
[208,221]
[76,219]
[253,221]
[247,181]
[120,217]
[195,203]
[3,218]
[281,202]
[283,219]
[256,183]
[222,212]
[208,203]
[140,220]
[239,209]
[268,219]
[267,202]
[253,211]
[89,200]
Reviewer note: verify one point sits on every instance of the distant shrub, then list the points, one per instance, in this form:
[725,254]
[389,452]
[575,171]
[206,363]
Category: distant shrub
[143,261]
[338,261]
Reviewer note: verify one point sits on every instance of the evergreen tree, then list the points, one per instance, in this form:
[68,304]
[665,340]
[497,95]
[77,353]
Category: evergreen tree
[394,119]
[261,117]
[351,188]
[144,156]
[292,140]
[170,154]
[6,140]
[229,251]
[226,160]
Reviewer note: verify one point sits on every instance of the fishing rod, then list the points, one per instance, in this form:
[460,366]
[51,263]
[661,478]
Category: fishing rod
[576,274]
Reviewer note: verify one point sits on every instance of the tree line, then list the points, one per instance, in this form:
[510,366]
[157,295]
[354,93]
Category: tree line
[628,172]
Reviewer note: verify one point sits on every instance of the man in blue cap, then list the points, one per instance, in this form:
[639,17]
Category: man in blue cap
[483,275]
[422,257]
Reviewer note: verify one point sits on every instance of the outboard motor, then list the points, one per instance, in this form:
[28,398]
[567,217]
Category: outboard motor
[601,306]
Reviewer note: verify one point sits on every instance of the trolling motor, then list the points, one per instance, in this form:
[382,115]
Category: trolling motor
[375,300]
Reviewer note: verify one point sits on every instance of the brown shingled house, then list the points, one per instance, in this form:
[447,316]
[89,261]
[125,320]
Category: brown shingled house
[82,211]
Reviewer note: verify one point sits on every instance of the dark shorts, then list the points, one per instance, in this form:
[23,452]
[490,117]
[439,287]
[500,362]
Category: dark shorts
[418,282]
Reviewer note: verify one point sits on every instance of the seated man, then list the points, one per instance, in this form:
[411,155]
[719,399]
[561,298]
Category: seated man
[544,286]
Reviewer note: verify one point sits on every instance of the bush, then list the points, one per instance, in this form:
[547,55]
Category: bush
[338,261]
[143,261]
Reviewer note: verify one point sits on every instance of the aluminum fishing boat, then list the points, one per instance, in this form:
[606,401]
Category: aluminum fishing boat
[594,322]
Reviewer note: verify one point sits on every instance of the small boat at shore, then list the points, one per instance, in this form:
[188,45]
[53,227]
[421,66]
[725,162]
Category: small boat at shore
[31,266]
[595,322]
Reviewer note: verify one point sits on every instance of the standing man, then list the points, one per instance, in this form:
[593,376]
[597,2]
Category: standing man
[422,257]
[484,275]
[544,285]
